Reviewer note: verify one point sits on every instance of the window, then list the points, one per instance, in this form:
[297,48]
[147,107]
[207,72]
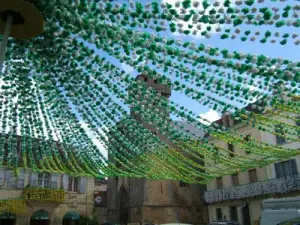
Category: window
[280,138]
[252,175]
[227,119]
[286,168]
[21,179]
[247,138]
[297,119]
[219,213]
[182,184]
[219,182]
[230,148]
[233,214]
[235,179]
[155,81]
[9,179]
[43,180]
[73,184]
[146,79]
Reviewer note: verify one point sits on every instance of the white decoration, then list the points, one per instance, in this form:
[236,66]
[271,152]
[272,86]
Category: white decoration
[276,186]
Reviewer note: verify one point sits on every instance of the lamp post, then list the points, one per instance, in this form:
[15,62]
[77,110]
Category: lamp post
[5,37]
[18,19]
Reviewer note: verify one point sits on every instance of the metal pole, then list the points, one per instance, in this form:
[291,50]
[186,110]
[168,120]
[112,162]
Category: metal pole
[5,40]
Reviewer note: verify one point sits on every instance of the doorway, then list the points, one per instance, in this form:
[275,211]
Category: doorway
[246,215]
[124,206]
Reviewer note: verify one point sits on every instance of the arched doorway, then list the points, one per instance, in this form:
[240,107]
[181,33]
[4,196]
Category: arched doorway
[40,217]
[71,218]
[7,219]
[124,206]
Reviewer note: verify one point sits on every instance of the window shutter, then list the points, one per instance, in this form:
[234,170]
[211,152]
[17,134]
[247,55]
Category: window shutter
[8,177]
[54,178]
[294,169]
[82,185]
[1,176]
[65,182]
[278,171]
[33,179]
[21,179]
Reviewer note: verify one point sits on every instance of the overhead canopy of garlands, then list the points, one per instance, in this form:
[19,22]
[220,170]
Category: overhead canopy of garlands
[65,99]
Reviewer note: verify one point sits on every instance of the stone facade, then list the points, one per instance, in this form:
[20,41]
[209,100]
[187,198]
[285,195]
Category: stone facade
[156,202]
[145,201]
[80,200]
[100,192]
[246,197]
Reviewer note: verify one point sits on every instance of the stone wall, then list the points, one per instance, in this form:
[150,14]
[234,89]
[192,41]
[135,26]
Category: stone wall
[100,213]
[157,202]
[83,204]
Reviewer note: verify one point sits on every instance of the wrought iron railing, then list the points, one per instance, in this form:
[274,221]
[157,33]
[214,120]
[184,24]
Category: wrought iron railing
[268,187]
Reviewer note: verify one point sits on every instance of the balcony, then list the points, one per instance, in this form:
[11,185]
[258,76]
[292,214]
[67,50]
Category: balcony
[274,186]
[44,194]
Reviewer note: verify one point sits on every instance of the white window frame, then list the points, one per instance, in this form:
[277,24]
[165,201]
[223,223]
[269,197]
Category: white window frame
[43,177]
[73,179]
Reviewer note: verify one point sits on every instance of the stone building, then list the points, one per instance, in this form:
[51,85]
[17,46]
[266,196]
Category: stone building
[145,201]
[50,199]
[239,196]
[100,200]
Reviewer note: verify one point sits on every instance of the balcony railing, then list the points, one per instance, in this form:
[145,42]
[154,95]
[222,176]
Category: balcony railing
[273,186]
[44,194]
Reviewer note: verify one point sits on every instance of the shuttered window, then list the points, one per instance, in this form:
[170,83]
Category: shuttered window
[219,182]
[21,179]
[9,179]
[43,180]
[73,184]
[252,175]
[280,139]
[235,179]
[298,121]
[286,168]
[231,149]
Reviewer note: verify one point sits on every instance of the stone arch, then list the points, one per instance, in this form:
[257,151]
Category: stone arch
[40,217]
[123,205]
[71,218]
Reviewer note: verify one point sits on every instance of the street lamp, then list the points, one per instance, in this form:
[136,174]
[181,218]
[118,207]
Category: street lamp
[18,19]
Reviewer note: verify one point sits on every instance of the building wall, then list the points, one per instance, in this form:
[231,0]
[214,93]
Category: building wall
[160,201]
[263,174]
[100,210]
[254,205]
[82,203]
[100,214]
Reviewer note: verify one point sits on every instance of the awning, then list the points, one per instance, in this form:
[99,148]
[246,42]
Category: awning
[40,215]
[8,216]
[72,216]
